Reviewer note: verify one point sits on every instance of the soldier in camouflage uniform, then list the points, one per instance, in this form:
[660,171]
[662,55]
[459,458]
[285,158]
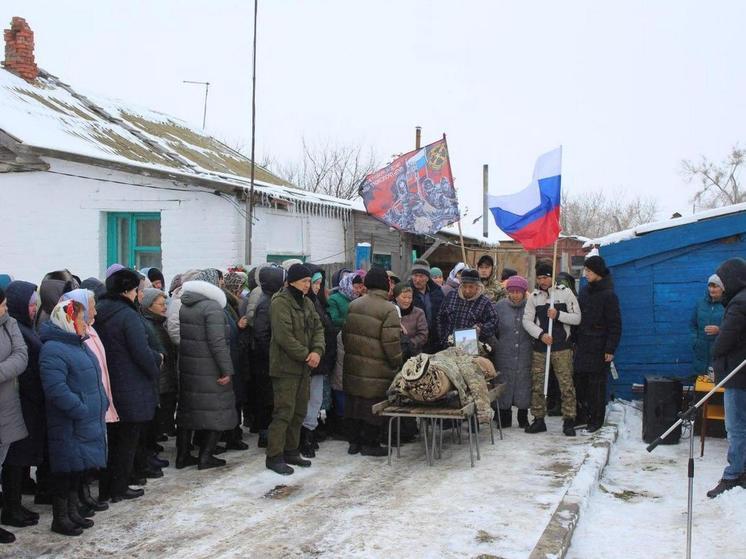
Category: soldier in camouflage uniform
[493,289]
[566,313]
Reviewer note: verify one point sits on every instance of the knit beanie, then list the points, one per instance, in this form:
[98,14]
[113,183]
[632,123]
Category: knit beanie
[297,272]
[543,268]
[469,275]
[714,279]
[149,296]
[154,274]
[318,276]
[486,259]
[421,266]
[436,272]
[376,278]
[517,282]
[596,265]
[122,281]
[113,268]
[507,273]
[400,288]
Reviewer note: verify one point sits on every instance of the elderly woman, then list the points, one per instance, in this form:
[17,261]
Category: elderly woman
[22,303]
[206,399]
[705,323]
[76,406]
[414,329]
[13,362]
[513,353]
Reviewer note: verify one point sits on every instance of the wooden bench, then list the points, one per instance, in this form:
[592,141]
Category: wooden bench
[431,417]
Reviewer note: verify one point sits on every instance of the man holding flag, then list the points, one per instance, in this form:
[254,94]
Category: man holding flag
[531,217]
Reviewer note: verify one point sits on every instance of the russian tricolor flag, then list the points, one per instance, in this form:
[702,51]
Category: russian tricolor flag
[532,215]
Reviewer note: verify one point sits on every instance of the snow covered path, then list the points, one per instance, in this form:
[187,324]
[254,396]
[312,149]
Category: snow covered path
[639,507]
[344,506]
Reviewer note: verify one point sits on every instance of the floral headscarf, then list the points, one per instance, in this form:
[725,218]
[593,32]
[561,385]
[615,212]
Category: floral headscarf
[210,275]
[82,296]
[345,286]
[63,316]
[234,281]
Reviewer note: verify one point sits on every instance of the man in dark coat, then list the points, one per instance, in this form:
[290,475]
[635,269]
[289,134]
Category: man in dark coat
[22,305]
[728,352]
[134,371]
[296,348]
[597,339]
[428,296]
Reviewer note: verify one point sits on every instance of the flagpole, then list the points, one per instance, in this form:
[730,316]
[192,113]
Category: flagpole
[460,232]
[549,329]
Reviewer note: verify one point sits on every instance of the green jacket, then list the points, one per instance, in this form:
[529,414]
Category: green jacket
[296,331]
[372,343]
[338,307]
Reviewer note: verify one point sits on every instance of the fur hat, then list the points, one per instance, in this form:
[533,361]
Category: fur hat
[377,278]
[517,282]
[122,281]
[420,266]
[596,265]
[298,272]
[543,268]
[469,275]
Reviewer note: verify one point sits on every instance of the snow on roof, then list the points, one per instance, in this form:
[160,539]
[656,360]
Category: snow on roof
[666,224]
[48,114]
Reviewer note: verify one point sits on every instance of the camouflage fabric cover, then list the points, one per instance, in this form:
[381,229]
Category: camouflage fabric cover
[431,377]
[494,290]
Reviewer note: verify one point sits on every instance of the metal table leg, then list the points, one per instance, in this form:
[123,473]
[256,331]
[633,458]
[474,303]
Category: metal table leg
[398,436]
[391,421]
[471,450]
[476,433]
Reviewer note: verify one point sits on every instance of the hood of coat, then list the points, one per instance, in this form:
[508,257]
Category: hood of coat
[732,272]
[50,292]
[50,332]
[192,292]
[271,279]
[18,294]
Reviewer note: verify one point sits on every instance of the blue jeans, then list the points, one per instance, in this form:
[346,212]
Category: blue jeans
[735,425]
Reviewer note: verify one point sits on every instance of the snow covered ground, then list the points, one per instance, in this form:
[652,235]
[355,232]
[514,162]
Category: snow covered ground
[343,506]
[638,509]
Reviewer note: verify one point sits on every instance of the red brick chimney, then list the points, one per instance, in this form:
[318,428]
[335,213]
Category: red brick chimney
[19,50]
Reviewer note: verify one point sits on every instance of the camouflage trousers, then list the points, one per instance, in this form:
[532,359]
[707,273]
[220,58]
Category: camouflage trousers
[561,362]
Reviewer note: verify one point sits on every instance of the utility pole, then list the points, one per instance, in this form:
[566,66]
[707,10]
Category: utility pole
[485,202]
[207,90]
[250,198]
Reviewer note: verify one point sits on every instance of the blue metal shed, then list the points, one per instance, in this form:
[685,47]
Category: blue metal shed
[660,270]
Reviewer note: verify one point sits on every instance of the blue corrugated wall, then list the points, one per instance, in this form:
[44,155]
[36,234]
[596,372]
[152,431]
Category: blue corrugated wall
[657,291]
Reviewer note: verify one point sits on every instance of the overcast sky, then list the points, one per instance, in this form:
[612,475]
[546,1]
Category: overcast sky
[628,88]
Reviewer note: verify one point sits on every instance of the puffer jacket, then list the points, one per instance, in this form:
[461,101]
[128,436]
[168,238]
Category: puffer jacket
[296,332]
[706,313]
[75,402]
[30,450]
[600,326]
[134,368]
[157,325]
[373,351]
[13,361]
[729,349]
[204,356]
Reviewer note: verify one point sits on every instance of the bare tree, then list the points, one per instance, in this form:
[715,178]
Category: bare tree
[336,170]
[597,214]
[720,185]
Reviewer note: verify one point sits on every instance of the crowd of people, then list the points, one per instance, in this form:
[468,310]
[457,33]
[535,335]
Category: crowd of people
[94,375]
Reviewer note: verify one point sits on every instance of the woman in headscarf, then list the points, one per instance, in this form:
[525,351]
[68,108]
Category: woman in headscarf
[76,406]
[339,301]
[413,322]
[13,362]
[22,303]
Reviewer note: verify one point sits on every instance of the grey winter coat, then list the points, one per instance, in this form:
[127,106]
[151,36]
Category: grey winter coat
[13,361]
[204,356]
[513,354]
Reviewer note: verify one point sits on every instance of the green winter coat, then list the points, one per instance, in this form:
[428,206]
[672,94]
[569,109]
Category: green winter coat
[296,332]
[338,307]
[372,343]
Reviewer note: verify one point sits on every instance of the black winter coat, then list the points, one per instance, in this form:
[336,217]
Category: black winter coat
[600,325]
[134,368]
[436,300]
[28,451]
[271,280]
[729,349]
[204,356]
[160,341]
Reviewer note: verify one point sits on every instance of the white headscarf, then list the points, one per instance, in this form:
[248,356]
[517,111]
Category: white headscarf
[63,316]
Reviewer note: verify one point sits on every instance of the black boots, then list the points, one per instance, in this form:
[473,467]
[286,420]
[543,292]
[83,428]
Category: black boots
[568,427]
[183,442]
[538,426]
[13,512]
[61,521]
[523,418]
[307,448]
[206,458]
[85,497]
[374,450]
[6,537]
[128,494]
[506,418]
[278,465]
[293,457]
[726,485]
[73,510]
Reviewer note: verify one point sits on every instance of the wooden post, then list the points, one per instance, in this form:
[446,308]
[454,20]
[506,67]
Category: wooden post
[485,203]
